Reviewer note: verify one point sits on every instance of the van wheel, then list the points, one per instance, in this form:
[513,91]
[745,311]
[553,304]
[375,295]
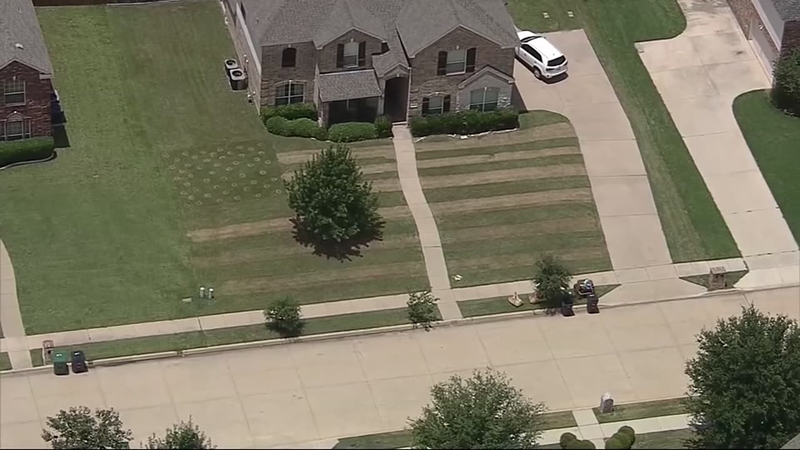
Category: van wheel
[537,73]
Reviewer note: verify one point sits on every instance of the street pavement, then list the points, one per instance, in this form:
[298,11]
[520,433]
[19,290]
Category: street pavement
[303,392]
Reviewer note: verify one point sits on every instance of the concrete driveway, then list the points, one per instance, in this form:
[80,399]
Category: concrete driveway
[619,182]
[699,74]
[296,393]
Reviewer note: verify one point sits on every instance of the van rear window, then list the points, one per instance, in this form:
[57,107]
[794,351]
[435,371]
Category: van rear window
[557,62]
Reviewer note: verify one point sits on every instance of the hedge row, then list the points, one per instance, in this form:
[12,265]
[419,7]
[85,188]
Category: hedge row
[302,127]
[290,112]
[464,122]
[352,132]
[26,150]
[786,89]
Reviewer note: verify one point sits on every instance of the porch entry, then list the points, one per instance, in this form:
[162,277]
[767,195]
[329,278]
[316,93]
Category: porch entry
[395,98]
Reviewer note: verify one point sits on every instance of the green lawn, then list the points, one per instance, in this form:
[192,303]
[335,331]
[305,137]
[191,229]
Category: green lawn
[692,224]
[673,439]
[501,200]
[5,363]
[160,148]
[774,139]
[208,338]
[500,305]
[642,410]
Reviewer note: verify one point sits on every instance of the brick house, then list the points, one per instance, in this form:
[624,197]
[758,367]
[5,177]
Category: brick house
[772,25]
[356,59]
[25,74]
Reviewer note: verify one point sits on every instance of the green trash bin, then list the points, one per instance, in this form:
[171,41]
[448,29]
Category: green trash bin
[60,359]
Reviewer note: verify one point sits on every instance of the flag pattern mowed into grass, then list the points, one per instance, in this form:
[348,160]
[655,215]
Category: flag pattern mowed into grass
[504,199]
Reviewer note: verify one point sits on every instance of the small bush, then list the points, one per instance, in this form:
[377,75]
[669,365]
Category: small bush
[551,278]
[614,443]
[283,317]
[302,127]
[422,309]
[628,431]
[786,90]
[290,112]
[565,439]
[578,444]
[26,150]
[383,127]
[352,132]
[464,122]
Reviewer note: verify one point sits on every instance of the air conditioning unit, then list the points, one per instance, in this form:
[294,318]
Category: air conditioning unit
[231,64]
[238,79]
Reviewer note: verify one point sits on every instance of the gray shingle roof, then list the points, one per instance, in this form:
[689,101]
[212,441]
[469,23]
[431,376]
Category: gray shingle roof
[20,36]
[418,23]
[348,85]
[788,9]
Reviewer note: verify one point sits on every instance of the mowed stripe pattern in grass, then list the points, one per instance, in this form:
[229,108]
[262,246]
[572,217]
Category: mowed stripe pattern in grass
[504,199]
[253,262]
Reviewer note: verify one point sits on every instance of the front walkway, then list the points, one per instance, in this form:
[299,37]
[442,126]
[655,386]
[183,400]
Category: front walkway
[309,391]
[10,318]
[699,74]
[619,182]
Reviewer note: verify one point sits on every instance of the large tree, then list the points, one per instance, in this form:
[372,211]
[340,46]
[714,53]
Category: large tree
[184,435]
[744,389]
[484,411]
[336,211]
[79,428]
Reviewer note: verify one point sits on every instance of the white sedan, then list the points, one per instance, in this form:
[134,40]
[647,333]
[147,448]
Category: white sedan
[540,55]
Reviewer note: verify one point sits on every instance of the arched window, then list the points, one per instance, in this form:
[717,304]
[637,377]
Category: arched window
[16,127]
[288,57]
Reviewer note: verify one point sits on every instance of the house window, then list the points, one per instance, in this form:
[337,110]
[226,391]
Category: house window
[484,99]
[435,105]
[15,128]
[456,62]
[350,57]
[14,92]
[291,92]
[288,57]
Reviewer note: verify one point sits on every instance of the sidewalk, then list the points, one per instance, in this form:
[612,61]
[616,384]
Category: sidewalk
[699,74]
[637,285]
[303,392]
[616,172]
[13,330]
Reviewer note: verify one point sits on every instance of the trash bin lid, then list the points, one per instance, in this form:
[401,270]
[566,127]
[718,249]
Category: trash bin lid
[60,356]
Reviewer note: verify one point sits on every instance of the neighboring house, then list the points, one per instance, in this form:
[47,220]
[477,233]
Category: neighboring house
[25,73]
[356,59]
[773,25]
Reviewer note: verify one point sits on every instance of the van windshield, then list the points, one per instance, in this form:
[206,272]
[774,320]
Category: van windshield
[530,38]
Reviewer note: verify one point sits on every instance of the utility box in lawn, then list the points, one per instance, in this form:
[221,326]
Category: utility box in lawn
[60,366]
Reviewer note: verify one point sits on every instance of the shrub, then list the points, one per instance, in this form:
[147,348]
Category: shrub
[26,150]
[422,309]
[578,444]
[614,443]
[302,127]
[625,440]
[786,90]
[628,431]
[464,122]
[565,439]
[290,112]
[551,279]
[352,132]
[283,317]
[383,127]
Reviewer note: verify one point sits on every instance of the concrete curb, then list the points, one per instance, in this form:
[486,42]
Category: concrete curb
[121,360]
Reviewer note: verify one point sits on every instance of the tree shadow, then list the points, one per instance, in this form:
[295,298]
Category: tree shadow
[338,250]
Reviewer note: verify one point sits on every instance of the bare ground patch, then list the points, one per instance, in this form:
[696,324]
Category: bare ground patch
[511,201]
[521,230]
[272,284]
[273,225]
[301,156]
[541,133]
[519,259]
[499,176]
[494,157]
[256,255]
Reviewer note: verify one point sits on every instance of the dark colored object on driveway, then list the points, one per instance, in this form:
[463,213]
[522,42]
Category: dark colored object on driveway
[591,304]
[60,366]
[566,306]
[79,362]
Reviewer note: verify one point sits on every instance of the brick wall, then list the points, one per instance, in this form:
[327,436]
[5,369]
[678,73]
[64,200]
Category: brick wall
[326,57]
[424,80]
[273,74]
[791,36]
[242,48]
[37,98]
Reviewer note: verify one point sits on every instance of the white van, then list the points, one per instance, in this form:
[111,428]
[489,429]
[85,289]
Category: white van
[540,55]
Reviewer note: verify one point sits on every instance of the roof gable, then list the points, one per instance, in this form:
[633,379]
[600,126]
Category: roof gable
[21,37]
[345,17]
[486,71]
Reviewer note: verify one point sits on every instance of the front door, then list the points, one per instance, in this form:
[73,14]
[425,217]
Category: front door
[395,99]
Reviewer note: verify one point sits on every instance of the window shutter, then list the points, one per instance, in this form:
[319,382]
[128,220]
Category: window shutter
[446,104]
[471,60]
[441,68]
[362,54]
[340,55]
[425,106]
